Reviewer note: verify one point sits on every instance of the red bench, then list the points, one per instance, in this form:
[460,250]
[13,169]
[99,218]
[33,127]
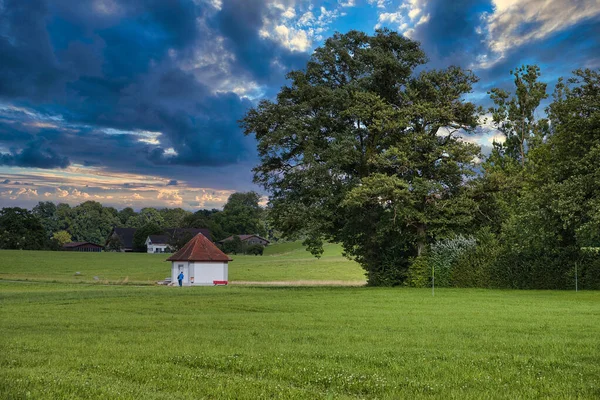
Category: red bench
[219,283]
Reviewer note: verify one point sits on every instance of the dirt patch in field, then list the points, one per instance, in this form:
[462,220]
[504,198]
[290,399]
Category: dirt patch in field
[300,283]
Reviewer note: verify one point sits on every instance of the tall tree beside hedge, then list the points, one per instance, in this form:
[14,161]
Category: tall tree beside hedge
[359,149]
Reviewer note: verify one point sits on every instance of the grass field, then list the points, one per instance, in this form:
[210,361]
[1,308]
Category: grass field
[281,262]
[100,342]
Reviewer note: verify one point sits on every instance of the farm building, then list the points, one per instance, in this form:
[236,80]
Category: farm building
[124,236]
[157,243]
[248,239]
[201,262]
[82,246]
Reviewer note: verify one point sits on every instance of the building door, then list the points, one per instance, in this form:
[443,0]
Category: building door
[186,272]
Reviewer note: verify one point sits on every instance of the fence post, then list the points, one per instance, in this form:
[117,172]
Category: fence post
[433,280]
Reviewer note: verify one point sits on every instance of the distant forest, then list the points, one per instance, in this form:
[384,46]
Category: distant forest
[47,226]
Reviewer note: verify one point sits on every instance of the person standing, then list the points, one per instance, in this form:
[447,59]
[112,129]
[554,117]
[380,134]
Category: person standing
[180,278]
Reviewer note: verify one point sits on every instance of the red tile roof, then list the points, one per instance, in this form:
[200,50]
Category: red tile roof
[199,249]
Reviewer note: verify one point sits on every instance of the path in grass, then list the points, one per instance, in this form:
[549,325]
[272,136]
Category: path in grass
[281,262]
[300,283]
[93,342]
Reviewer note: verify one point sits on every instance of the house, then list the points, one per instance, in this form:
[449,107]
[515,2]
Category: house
[122,236]
[157,243]
[201,262]
[82,246]
[248,239]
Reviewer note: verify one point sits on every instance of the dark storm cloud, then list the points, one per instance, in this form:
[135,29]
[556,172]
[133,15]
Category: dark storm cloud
[121,68]
[36,154]
[172,182]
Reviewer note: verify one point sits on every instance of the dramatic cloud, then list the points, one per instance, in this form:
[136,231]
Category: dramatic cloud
[136,102]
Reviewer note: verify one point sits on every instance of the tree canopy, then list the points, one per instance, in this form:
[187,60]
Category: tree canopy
[362,150]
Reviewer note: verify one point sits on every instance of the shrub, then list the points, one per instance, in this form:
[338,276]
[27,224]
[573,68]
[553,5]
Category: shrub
[473,267]
[255,249]
[444,255]
[234,245]
[419,273]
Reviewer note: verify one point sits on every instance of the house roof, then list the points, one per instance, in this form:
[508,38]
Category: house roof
[77,244]
[125,234]
[200,248]
[159,239]
[242,238]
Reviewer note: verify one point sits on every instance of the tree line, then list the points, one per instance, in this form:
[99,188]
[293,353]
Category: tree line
[363,150]
[49,225]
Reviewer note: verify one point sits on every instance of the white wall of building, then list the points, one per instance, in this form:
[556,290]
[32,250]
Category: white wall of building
[203,273]
[156,248]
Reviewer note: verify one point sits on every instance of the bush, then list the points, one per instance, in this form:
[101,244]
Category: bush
[588,271]
[473,267]
[419,273]
[234,245]
[444,255]
[255,249]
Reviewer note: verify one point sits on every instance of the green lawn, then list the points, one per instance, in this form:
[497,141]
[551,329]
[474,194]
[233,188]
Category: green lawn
[101,342]
[281,262]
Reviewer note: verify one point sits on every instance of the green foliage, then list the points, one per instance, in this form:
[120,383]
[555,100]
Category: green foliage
[146,216]
[46,212]
[419,273]
[125,214]
[255,249]
[588,271]
[444,256]
[21,230]
[62,237]
[361,150]
[241,215]
[90,222]
[205,219]
[472,268]
[173,217]
[515,117]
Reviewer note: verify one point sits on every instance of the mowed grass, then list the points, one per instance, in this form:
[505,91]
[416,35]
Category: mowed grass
[103,342]
[281,262]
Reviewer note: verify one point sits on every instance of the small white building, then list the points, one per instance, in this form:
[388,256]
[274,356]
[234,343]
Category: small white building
[201,262]
[157,243]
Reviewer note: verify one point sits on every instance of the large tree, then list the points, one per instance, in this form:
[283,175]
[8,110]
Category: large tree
[359,149]
[91,222]
[21,230]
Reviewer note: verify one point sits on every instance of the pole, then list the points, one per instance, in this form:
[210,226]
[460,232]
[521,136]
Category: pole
[575,275]
[432,280]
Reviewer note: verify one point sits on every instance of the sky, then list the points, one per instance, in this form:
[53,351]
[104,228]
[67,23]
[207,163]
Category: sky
[136,102]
